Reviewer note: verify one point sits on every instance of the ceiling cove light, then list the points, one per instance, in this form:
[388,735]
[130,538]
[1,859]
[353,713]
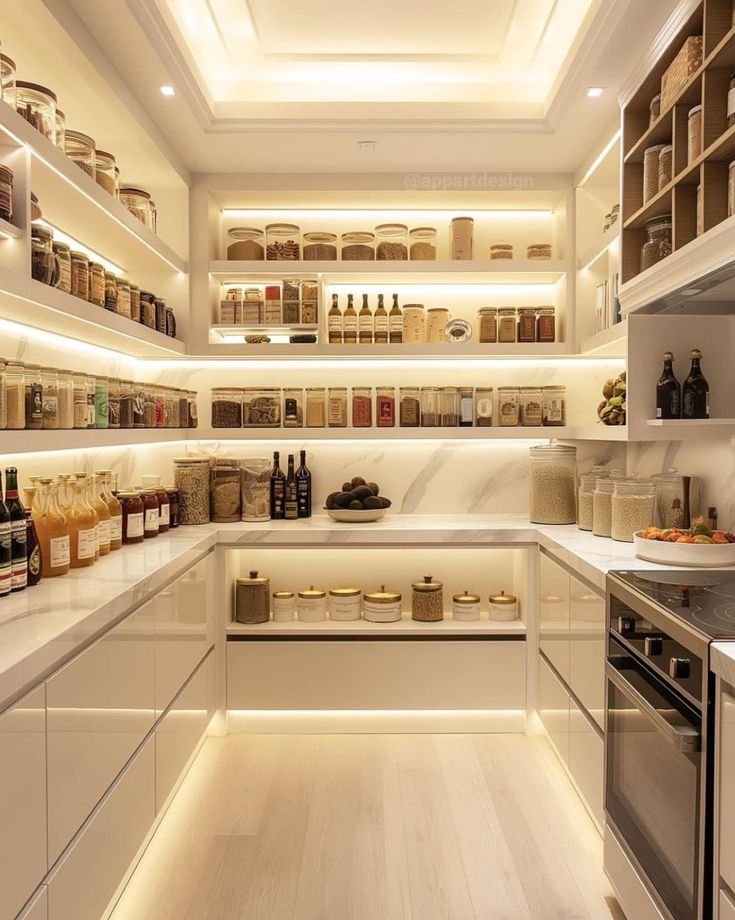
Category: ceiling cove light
[595,92]
[167,90]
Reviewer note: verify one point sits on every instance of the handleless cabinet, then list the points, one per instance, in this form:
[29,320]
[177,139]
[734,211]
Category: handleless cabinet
[726,765]
[554,709]
[586,751]
[22,801]
[554,614]
[587,648]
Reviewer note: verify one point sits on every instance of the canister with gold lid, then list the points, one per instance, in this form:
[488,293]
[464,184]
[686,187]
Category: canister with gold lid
[382,606]
[283,606]
[466,606]
[427,600]
[345,604]
[312,605]
[503,607]
[252,599]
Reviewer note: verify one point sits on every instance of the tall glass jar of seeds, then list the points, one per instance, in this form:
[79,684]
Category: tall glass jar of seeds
[191,480]
[585,501]
[553,484]
[633,507]
[256,475]
[225,490]
[602,507]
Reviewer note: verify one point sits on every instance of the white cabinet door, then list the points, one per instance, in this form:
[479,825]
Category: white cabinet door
[586,761]
[100,708]
[183,630]
[38,907]
[554,614]
[83,883]
[587,648]
[22,801]
[554,709]
[727,787]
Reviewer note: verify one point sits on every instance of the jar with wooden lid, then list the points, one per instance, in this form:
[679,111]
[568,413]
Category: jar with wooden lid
[252,599]
[37,104]
[650,171]
[466,607]
[283,607]
[345,604]
[312,605]
[553,484]
[509,407]
[282,242]
[503,607]
[392,242]
[506,325]
[382,606]
[527,325]
[225,490]
[245,244]
[358,246]
[658,243]
[488,320]
[80,148]
[410,411]
[554,406]
[320,246]
[138,202]
[427,600]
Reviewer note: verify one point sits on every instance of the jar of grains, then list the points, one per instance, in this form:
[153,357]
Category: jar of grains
[392,242]
[226,407]
[633,507]
[138,202]
[546,324]
[122,302]
[427,600]
[191,481]
[553,486]
[316,407]
[658,241]
[293,407]
[554,406]
[488,319]
[225,490]
[382,606]
[345,604]
[358,246]
[183,410]
[96,293]
[15,395]
[449,407]
[245,244]
[484,407]
[585,501]
[256,476]
[422,241]
[506,325]
[509,407]
[665,166]
[320,246]
[527,325]
[430,407]
[104,171]
[650,171]
[171,408]
[261,407]
[410,415]
[252,599]
[602,507]
[50,384]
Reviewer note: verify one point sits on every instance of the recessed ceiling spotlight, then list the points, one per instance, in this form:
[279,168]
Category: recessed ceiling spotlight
[366,145]
[168,90]
[594,91]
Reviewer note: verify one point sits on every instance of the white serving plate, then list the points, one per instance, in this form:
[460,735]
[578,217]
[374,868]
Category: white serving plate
[346,516]
[703,555]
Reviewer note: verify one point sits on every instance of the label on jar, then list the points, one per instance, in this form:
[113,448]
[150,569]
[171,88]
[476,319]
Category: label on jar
[103,533]
[87,543]
[337,413]
[116,528]
[151,520]
[484,407]
[283,609]
[532,415]
[382,613]
[164,515]
[350,324]
[59,551]
[554,410]
[135,525]
[344,608]
[312,609]
[508,409]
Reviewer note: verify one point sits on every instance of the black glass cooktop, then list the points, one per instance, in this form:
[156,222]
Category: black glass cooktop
[705,600]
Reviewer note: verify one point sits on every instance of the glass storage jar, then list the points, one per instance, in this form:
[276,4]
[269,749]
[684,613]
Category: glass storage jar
[385,407]
[585,501]
[466,407]
[96,284]
[554,406]
[133,517]
[488,321]
[191,481]
[391,242]
[63,254]
[261,407]
[172,408]
[527,325]
[694,133]
[80,148]
[466,607]
[139,406]
[362,407]
[506,325]
[484,407]
[7,81]
[509,407]
[256,477]
[358,246]
[6,193]
[283,606]
[293,407]
[245,244]
[104,171]
[101,402]
[651,156]
[320,247]
[79,274]
[225,490]
[427,600]
[658,241]
[113,403]
[414,323]
[44,262]
[315,413]
[430,407]
[149,405]
[110,292]
[546,324]
[553,484]
[382,606]
[531,410]
[147,312]
[79,385]
[461,238]
[50,384]
[436,324]
[37,105]
[283,242]
[126,404]
[33,396]
[337,407]
[122,302]
[138,202]
[422,244]
[410,414]
[345,604]
[602,507]
[193,414]
[60,129]
[159,395]
[15,395]
[312,605]
[633,507]
[252,599]
[449,407]
[665,166]
[183,412]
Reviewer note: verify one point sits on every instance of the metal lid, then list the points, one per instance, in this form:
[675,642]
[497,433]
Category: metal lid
[253,580]
[413,306]
[312,593]
[553,448]
[503,598]
[466,598]
[283,595]
[427,584]
[23,84]
[345,592]
[70,135]
[383,596]
[128,190]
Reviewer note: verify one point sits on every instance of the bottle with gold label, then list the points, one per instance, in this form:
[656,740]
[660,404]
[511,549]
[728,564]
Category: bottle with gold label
[349,322]
[334,322]
[380,323]
[365,323]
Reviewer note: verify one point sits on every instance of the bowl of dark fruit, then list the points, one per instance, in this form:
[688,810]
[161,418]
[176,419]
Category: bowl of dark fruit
[357,502]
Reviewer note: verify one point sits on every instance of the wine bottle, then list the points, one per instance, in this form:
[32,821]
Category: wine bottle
[395,323]
[303,487]
[278,490]
[668,391]
[6,552]
[33,552]
[291,503]
[334,322]
[365,323]
[695,392]
[19,558]
[349,322]
[380,320]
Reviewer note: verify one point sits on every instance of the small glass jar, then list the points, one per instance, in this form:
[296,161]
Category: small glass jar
[507,325]
[102,402]
[50,384]
[104,172]
[191,481]
[466,607]
[694,133]
[183,409]
[37,105]
[362,407]
[315,413]
[66,400]
[63,254]
[150,409]
[159,395]
[554,403]
[422,244]
[122,301]
[320,247]
[531,415]
[546,325]
[585,501]
[410,414]
[151,511]
[7,81]
[430,407]
[633,507]
[526,325]
[293,407]
[147,310]
[110,292]
[461,238]
[96,284]
[553,484]
[509,407]
[414,323]
[171,408]
[282,242]
[15,395]
[484,407]
[138,202]
[488,321]
[427,600]
[358,246]
[133,517]
[79,275]
[382,606]
[651,157]
[80,148]
[392,240]
[312,605]
[261,407]
[436,324]
[44,263]
[337,407]
[503,607]
[33,397]
[225,490]
[283,607]
[449,407]
[256,475]
[385,407]
[466,407]
[79,384]
[113,402]
[6,193]
[193,413]
[245,244]
[126,404]
[345,604]
[665,166]
[139,408]
[91,384]
[658,241]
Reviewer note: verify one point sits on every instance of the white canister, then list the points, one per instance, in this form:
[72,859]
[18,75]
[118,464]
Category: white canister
[382,606]
[312,605]
[345,604]
[436,324]
[466,607]
[283,606]
[503,607]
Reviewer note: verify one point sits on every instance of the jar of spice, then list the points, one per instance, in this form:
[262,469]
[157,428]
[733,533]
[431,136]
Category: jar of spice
[337,408]
[554,402]
[131,505]
[546,324]
[694,133]
[63,254]
[319,246]
[345,604]
[283,606]
[509,407]
[33,396]
[531,415]
[658,241]
[151,513]
[6,192]
[102,403]
[225,490]
[466,607]
[553,484]
[410,407]
[527,325]
[79,275]
[226,407]
[312,604]
[316,411]
[385,407]
[358,246]
[650,171]
[503,607]
[382,606]
[506,325]
[488,319]
[293,407]
[256,475]
[427,600]
[191,481]
[66,400]
[122,299]
[484,407]
[585,501]
[37,105]
[430,408]
[252,599]
[50,384]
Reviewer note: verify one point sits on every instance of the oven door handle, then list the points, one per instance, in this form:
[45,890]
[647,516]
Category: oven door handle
[685,738]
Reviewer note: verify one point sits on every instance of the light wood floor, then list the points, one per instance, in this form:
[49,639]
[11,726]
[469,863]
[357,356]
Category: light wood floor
[373,827]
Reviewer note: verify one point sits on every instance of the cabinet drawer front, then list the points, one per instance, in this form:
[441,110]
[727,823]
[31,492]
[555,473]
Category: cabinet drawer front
[587,648]
[554,614]
[554,709]
[100,708]
[22,801]
[90,873]
[727,788]
[586,761]
[183,630]
[180,730]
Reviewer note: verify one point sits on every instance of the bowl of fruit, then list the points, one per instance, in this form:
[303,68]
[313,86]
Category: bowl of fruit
[697,546]
[358,501]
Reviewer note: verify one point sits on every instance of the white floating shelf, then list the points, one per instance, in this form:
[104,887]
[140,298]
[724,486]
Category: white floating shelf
[32,303]
[596,433]
[72,201]
[686,429]
[595,256]
[611,341]
[420,352]
[9,231]
[357,628]
[22,442]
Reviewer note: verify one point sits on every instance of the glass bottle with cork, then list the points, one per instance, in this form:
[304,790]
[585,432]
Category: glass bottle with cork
[365,323]
[695,392]
[349,322]
[395,323]
[334,322]
[668,391]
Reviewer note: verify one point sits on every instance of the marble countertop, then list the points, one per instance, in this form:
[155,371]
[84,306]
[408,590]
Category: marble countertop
[44,626]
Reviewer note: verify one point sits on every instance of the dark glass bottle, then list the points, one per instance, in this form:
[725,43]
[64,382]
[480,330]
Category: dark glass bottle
[278,490]
[33,552]
[291,503]
[380,323]
[19,558]
[668,391]
[303,487]
[695,392]
[395,323]
[6,552]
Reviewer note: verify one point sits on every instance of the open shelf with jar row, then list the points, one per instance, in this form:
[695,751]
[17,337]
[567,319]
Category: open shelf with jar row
[570,433]
[403,627]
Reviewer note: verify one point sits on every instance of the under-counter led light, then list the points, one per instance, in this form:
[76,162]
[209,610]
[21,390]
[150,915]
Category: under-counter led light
[168,90]
[594,92]
[91,254]
[388,213]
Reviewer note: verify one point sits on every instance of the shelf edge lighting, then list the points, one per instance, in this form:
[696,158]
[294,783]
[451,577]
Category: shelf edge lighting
[74,244]
[605,150]
[406,212]
[57,340]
